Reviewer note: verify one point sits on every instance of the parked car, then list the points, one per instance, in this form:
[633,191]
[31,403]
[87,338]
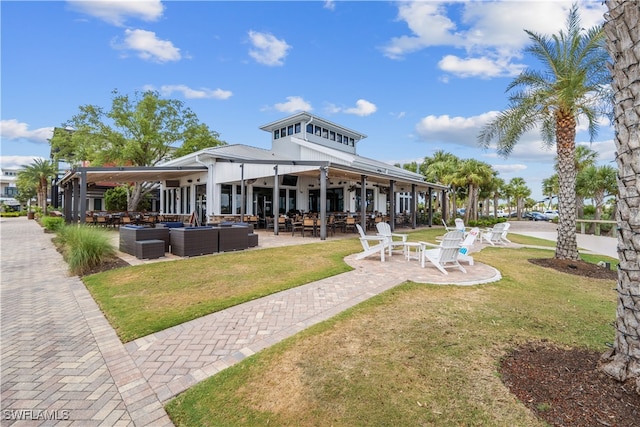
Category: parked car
[551,214]
[537,216]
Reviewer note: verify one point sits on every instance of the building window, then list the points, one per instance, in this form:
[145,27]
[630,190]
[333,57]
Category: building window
[339,139]
[318,131]
[297,128]
[225,198]
[310,128]
[276,134]
[325,133]
[283,132]
[332,136]
[290,130]
[351,142]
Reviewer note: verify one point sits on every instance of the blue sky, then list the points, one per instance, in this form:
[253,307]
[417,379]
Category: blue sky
[415,77]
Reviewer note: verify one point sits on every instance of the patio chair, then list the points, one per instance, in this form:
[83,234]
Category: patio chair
[446,256]
[460,224]
[384,230]
[493,236]
[505,232]
[464,243]
[446,227]
[368,249]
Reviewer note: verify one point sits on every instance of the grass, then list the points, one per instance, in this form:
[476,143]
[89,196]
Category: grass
[415,355]
[144,299]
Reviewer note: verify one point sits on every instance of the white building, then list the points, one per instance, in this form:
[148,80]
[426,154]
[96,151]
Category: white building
[313,163]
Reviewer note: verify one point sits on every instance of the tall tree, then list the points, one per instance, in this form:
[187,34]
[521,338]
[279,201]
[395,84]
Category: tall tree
[143,130]
[570,87]
[39,173]
[622,27]
[597,183]
[473,174]
[584,158]
[520,192]
[441,168]
[550,188]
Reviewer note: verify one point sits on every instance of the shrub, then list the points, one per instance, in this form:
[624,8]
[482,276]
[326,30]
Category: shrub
[84,248]
[10,214]
[52,223]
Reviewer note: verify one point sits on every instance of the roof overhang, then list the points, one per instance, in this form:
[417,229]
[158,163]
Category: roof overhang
[132,174]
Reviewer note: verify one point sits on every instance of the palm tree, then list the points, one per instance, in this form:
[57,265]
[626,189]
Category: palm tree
[550,188]
[570,87]
[584,158]
[442,168]
[520,191]
[623,43]
[597,183]
[40,172]
[473,174]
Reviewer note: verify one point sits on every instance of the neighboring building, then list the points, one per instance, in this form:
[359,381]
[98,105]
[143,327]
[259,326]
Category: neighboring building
[312,163]
[8,189]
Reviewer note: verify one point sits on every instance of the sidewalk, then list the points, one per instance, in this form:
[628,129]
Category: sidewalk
[61,360]
[602,245]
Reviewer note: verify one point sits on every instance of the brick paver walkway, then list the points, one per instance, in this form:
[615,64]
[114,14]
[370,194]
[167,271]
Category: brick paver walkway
[60,358]
[59,352]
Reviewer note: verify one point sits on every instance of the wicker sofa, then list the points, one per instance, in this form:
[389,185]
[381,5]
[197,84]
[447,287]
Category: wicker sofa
[193,241]
[130,234]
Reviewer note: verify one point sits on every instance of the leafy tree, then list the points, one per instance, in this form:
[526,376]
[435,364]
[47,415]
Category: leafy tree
[570,87]
[140,131]
[26,189]
[38,174]
[115,199]
[623,43]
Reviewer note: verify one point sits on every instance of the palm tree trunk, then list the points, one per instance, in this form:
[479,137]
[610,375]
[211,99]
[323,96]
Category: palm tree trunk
[566,247]
[623,42]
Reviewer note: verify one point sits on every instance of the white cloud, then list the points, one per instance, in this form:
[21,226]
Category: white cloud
[293,104]
[15,130]
[16,162]
[148,46]
[201,93]
[490,33]
[116,12]
[483,67]
[330,4]
[362,108]
[267,49]
[510,169]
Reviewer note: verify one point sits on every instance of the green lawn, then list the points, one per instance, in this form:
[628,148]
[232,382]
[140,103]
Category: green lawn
[416,355]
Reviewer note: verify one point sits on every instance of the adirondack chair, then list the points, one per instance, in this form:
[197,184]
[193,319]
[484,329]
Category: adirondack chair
[445,256]
[493,236]
[384,230]
[505,232]
[371,245]
[464,244]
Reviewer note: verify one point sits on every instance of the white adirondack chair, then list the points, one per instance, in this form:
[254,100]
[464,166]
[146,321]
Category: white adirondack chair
[505,232]
[493,236]
[371,245]
[466,244]
[384,230]
[445,256]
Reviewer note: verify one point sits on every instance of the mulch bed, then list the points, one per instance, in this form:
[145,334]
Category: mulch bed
[581,268]
[565,387]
